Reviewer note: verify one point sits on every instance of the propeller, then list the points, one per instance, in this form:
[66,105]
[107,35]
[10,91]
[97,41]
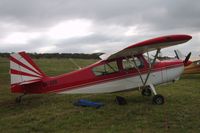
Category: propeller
[180,56]
[187,59]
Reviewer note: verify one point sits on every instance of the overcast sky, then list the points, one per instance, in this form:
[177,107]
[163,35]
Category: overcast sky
[88,26]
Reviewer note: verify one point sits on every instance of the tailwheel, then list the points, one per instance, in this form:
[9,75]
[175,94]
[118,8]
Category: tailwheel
[158,99]
[18,99]
[146,91]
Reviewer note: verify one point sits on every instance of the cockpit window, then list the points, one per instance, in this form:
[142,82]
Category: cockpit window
[129,63]
[106,68]
[150,60]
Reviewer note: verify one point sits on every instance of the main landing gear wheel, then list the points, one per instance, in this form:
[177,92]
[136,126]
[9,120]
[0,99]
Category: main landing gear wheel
[146,91]
[158,99]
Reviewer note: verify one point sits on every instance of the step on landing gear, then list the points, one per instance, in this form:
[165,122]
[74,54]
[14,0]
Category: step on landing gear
[157,98]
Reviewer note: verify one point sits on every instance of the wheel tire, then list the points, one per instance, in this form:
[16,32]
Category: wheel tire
[158,99]
[146,91]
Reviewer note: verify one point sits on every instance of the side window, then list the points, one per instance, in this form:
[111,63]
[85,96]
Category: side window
[107,68]
[129,63]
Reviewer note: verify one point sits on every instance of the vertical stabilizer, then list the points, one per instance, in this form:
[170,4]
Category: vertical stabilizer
[23,70]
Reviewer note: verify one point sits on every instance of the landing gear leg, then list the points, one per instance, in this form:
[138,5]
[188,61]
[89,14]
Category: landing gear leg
[146,91]
[19,99]
[157,98]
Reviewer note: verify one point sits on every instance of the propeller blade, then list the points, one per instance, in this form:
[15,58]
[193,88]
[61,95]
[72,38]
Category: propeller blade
[187,58]
[176,54]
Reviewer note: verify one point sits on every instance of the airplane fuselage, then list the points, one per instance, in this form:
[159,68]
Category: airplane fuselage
[106,77]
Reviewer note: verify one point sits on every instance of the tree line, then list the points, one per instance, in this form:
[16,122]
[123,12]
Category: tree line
[59,55]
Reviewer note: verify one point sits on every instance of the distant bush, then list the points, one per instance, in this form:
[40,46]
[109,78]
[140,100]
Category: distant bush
[59,55]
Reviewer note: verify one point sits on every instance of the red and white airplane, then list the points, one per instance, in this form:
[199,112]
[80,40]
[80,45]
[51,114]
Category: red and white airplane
[124,70]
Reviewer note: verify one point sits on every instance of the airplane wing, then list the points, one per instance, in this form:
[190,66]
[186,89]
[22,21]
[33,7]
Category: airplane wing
[148,45]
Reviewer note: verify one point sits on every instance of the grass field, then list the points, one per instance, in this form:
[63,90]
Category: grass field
[56,113]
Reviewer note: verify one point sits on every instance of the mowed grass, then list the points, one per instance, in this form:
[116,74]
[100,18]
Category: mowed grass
[56,113]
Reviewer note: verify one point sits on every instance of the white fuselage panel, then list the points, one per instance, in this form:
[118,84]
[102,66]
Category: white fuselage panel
[128,83]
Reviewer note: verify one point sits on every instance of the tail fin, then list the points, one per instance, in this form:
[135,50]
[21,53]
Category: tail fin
[23,70]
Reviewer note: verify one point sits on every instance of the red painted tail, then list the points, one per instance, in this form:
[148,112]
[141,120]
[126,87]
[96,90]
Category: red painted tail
[23,71]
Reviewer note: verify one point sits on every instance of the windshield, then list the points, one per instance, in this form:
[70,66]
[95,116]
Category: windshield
[150,59]
[107,68]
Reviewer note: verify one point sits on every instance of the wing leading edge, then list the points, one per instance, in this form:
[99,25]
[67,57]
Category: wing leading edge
[148,45]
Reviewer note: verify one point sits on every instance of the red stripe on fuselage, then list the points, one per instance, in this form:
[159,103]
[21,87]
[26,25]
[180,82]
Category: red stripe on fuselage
[114,78]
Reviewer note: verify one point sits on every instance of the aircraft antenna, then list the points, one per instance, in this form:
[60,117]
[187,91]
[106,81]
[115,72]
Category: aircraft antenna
[73,62]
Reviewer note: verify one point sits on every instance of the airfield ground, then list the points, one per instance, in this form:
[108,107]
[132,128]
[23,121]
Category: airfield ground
[56,113]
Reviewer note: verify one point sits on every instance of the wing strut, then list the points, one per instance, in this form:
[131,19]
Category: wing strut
[150,65]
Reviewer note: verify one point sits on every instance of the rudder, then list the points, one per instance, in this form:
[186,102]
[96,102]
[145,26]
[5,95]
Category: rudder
[23,70]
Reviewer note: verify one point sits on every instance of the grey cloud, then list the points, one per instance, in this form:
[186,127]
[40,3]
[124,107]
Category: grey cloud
[31,46]
[88,44]
[91,39]
[158,17]
[162,14]
[16,47]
